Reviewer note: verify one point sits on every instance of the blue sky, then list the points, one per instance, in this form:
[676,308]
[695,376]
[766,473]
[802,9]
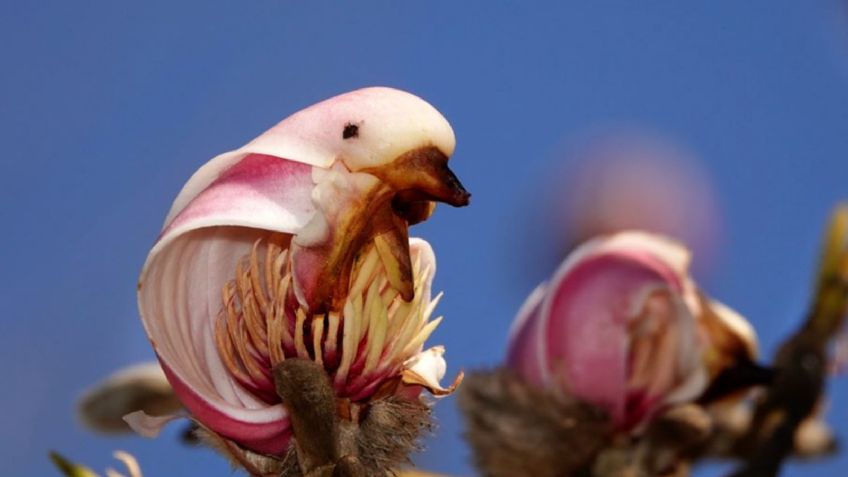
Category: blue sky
[107,107]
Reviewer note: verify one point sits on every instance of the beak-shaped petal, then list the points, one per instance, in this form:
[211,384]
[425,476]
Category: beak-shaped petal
[423,174]
[375,204]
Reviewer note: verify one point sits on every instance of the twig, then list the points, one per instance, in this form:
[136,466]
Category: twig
[801,362]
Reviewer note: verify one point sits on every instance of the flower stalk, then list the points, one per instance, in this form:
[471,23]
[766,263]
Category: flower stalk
[801,363]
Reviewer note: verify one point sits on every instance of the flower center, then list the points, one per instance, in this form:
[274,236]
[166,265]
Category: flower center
[654,341]
[261,324]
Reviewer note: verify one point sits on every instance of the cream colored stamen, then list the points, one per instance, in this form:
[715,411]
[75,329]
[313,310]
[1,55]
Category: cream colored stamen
[260,323]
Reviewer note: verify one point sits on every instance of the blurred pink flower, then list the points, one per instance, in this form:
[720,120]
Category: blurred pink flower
[626,180]
[622,325]
[296,245]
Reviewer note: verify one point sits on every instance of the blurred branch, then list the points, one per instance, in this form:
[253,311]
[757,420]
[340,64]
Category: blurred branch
[801,362]
[418,473]
[71,469]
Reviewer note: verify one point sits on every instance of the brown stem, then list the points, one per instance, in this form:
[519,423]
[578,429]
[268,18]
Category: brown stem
[309,398]
[326,445]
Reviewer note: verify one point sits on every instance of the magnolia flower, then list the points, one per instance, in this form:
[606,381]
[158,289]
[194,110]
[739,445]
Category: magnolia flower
[296,245]
[623,326]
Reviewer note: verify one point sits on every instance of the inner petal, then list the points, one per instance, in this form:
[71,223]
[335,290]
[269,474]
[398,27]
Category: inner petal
[654,346]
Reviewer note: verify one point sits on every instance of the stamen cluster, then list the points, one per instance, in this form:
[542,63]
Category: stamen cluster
[261,324]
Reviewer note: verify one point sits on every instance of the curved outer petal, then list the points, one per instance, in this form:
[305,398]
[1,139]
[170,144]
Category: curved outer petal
[146,425]
[739,325]
[522,354]
[180,285]
[575,333]
[390,122]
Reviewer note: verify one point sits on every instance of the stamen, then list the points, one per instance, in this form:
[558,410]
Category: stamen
[332,336]
[276,327]
[279,266]
[234,332]
[360,324]
[412,318]
[364,274]
[272,251]
[226,350]
[379,321]
[425,332]
[299,345]
[409,325]
[317,337]
[280,309]
[348,337]
[258,289]
[250,314]
[261,325]
[247,358]
[432,305]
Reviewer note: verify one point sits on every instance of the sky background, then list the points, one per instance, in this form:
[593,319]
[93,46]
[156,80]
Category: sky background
[107,107]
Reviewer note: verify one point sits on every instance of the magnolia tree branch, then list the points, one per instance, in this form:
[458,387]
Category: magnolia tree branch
[801,363]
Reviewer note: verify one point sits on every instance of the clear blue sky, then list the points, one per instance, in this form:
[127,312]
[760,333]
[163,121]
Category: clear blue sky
[106,108]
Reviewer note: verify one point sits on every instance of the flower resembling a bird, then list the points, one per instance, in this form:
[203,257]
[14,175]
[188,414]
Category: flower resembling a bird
[296,246]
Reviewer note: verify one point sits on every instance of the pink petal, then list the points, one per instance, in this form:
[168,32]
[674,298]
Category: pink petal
[180,286]
[149,426]
[523,351]
[259,191]
[584,329]
[262,430]
[313,136]
[574,333]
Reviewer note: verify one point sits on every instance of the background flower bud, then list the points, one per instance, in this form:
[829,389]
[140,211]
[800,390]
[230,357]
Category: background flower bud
[617,326]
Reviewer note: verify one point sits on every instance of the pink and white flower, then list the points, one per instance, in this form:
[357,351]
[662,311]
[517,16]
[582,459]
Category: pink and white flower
[296,245]
[623,326]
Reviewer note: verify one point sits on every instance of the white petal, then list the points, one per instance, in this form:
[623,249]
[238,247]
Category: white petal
[738,324]
[149,426]
[427,369]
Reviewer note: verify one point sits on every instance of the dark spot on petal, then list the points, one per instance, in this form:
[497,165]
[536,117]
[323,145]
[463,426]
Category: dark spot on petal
[350,130]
